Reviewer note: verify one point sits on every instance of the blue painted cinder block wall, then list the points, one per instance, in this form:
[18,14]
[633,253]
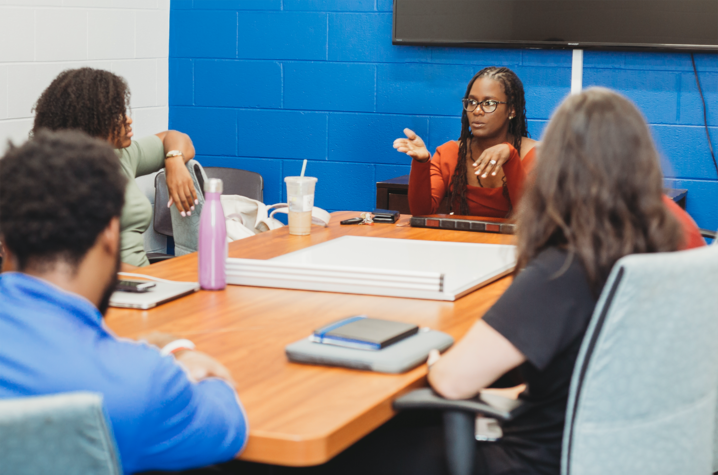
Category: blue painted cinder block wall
[263,84]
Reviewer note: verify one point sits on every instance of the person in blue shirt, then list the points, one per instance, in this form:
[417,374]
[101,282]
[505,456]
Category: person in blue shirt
[61,197]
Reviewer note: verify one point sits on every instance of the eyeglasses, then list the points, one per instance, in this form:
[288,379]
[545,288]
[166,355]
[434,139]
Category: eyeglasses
[488,107]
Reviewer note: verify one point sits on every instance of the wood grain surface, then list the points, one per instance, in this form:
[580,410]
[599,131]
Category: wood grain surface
[302,415]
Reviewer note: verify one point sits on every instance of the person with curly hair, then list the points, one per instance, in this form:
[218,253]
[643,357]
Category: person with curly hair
[97,102]
[61,196]
[483,173]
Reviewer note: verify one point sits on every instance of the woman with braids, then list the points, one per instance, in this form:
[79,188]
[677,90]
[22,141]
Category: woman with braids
[483,173]
[96,102]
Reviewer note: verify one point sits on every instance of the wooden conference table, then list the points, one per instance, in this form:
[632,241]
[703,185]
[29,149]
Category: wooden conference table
[302,415]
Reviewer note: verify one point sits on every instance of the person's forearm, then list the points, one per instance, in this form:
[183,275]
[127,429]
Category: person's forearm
[174,140]
[450,385]
[472,364]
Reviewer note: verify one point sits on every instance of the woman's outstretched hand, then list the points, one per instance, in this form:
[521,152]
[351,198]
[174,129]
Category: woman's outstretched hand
[492,160]
[413,146]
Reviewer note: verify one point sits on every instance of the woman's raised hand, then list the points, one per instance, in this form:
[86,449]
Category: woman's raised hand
[413,146]
[492,160]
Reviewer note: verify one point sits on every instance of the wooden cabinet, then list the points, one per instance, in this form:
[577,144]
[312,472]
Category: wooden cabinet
[393,194]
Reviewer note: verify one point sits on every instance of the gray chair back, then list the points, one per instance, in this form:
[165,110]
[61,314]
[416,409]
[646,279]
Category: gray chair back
[239,182]
[236,182]
[643,393]
[161,218]
[64,434]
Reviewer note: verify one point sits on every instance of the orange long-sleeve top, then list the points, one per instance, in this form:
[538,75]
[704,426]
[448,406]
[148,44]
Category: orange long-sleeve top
[691,233]
[429,182]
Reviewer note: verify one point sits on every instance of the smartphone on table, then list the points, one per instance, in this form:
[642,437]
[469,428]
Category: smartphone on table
[137,286]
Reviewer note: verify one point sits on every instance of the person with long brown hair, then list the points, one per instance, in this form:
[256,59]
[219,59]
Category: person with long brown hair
[483,173]
[595,195]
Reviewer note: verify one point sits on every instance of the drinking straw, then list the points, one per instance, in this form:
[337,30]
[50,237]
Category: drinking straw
[304,167]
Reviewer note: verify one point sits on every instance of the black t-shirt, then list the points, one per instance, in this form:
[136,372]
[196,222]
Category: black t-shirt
[544,314]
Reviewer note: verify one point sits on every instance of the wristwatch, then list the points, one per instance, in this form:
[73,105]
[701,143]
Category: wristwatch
[173,153]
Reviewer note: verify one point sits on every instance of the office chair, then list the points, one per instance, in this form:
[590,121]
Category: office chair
[238,182]
[63,434]
[644,389]
[235,181]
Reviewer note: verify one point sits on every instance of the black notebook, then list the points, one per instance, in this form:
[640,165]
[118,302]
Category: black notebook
[363,333]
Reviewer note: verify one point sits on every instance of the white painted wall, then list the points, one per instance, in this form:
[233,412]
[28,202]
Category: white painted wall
[41,38]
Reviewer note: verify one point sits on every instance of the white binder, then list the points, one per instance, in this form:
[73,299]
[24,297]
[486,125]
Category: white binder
[434,270]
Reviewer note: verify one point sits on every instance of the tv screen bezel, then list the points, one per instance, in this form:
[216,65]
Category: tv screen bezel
[569,45]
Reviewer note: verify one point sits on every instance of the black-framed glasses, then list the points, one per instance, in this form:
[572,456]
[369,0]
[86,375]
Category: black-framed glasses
[488,106]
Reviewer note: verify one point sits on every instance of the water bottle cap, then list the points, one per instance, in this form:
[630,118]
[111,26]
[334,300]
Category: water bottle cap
[213,185]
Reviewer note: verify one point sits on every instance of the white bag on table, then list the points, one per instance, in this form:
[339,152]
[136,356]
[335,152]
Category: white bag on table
[246,217]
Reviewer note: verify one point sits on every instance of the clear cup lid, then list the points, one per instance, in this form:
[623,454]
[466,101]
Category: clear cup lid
[300,179]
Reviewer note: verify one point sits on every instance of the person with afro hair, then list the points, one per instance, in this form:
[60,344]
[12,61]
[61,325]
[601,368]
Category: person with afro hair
[97,103]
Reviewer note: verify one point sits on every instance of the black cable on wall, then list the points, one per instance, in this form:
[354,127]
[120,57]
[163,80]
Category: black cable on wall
[705,113]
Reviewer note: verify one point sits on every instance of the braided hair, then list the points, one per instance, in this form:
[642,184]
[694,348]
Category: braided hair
[518,128]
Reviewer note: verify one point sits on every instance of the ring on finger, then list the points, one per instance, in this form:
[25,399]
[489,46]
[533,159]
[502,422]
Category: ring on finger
[493,162]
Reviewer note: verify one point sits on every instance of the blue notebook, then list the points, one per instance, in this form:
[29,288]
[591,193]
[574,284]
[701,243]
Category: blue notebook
[363,333]
[397,358]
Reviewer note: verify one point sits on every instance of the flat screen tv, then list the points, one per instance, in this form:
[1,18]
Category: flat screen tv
[690,25]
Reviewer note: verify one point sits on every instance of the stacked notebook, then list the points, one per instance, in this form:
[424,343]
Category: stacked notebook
[363,333]
[370,344]
[463,223]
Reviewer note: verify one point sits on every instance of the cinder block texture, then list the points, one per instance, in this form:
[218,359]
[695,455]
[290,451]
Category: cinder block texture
[41,38]
[225,83]
[421,88]
[368,138]
[387,172]
[282,134]
[203,34]
[442,130]
[321,79]
[340,185]
[238,4]
[330,5]
[685,151]
[213,131]
[181,88]
[367,38]
[329,86]
[282,35]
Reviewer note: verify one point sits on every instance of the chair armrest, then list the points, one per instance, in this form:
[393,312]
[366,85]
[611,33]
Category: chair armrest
[459,421]
[490,405]
[706,233]
[155,257]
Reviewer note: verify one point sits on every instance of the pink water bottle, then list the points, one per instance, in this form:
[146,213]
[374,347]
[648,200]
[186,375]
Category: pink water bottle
[212,239]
